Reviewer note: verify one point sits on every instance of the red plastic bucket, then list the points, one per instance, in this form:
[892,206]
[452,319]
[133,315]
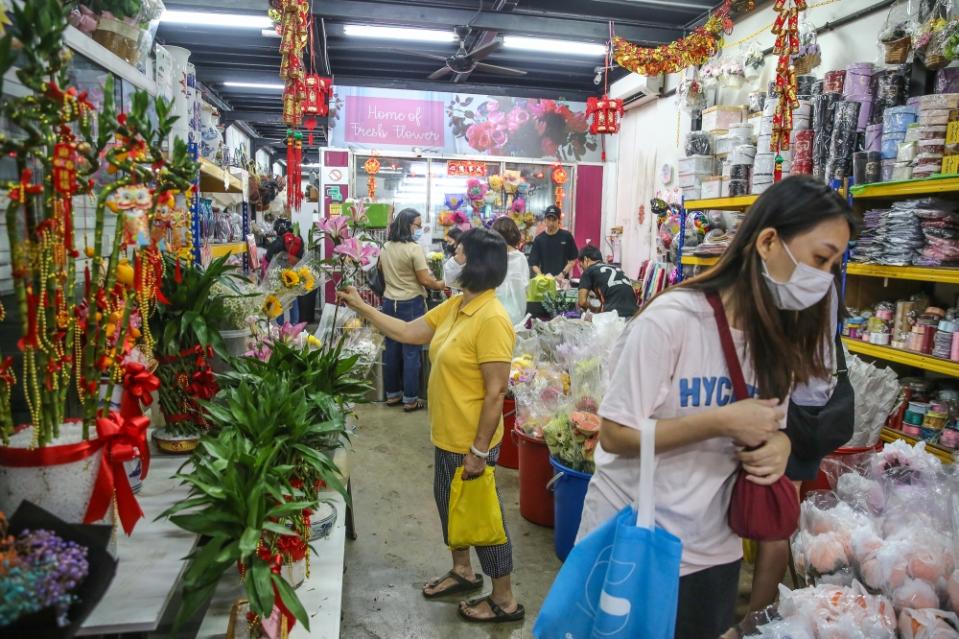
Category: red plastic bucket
[535,473]
[822,481]
[508,455]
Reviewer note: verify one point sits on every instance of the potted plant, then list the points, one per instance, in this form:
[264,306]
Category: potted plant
[117,28]
[243,309]
[185,324]
[254,486]
[80,305]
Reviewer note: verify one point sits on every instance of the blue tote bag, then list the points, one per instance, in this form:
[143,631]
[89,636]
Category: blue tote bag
[622,580]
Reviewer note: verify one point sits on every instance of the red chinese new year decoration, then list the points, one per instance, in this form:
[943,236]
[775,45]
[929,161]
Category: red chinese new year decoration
[605,112]
[372,167]
[123,439]
[65,186]
[294,169]
[786,30]
[465,168]
[688,51]
[316,104]
[293,25]
[560,176]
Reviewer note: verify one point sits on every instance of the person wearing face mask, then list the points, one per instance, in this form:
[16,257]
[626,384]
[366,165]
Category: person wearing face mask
[773,287]
[406,275]
[471,346]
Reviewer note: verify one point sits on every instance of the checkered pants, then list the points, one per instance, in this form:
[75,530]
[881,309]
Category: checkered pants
[497,561]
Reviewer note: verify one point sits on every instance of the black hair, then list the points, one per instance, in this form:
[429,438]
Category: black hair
[401,229]
[485,252]
[282,226]
[455,233]
[506,227]
[785,347]
[590,252]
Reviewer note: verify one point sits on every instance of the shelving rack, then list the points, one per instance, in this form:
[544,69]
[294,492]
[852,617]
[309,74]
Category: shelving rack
[739,203]
[891,191]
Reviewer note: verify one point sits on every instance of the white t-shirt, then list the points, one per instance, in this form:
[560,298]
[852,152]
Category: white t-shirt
[512,292]
[669,363]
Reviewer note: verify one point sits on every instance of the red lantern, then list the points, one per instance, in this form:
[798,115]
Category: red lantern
[605,112]
[560,176]
[372,167]
[317,95]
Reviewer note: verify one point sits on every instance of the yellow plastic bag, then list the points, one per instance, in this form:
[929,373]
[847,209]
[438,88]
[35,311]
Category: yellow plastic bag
[475,517]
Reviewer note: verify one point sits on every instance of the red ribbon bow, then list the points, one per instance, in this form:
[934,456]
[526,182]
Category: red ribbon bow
[140,383]
[122,439]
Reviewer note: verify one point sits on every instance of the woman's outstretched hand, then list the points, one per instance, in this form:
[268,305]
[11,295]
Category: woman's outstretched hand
[350,296]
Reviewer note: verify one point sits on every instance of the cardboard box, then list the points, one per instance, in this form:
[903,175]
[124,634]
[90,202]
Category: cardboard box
[712,187]
[722,117]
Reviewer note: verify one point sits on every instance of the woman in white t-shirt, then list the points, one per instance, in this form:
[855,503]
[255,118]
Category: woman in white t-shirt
[669,367]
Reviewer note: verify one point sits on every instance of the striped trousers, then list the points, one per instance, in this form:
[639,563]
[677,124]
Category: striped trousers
[496,561]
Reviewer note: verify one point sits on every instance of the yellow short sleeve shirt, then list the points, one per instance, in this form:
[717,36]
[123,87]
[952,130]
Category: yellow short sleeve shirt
[465,336]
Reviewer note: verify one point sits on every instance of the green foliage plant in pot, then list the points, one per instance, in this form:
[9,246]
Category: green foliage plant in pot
[184,326]
[254,485]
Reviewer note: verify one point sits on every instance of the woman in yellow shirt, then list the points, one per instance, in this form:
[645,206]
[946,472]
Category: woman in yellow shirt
[471,345]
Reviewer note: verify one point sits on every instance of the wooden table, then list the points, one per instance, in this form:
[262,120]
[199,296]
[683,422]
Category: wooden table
[150,562]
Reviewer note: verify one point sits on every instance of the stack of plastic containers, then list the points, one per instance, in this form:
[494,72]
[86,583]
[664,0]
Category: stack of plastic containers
[895,123]
[858,87]
[692,171]
[934,115]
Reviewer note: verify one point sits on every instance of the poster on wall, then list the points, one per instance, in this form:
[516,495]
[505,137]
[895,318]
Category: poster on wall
[434,122]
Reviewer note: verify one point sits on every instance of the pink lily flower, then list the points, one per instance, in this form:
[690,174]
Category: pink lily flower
[288,331]
[357,251]
[336,227]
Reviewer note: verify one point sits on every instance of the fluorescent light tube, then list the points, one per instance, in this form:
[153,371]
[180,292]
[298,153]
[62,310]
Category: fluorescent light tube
[398,33]
[562,47]
[269,33]
[207,19]
[254,85]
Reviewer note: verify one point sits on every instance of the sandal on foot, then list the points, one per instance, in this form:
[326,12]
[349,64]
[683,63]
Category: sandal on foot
[414,406]
[499,615]
[393,403]
[462,585]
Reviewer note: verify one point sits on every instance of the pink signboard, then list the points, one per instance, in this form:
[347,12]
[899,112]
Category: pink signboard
[394,121]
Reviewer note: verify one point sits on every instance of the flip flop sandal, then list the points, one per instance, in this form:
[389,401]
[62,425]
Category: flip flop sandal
[499,615]
[462,585]
[414,406]
[394,404]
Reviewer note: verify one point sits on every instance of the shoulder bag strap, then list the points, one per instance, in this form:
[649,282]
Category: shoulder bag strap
[729,349]
[646,496]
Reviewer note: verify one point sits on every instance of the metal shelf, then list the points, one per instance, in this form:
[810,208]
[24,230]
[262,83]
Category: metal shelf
[895,355]
[927,186]
[219,250]
[692,260]
[214,179]
[90,48]
[918,273]
[740,203]
[889,435]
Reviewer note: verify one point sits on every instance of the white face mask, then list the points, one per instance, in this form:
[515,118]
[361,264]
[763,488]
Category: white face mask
[417,235]
[806,287]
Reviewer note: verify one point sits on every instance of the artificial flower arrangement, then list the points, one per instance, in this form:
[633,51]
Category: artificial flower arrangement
[81,303]
[38,570]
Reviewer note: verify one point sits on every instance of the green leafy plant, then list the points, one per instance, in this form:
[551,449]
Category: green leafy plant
[325,370]
[238,492]
[185,324]
[120,9]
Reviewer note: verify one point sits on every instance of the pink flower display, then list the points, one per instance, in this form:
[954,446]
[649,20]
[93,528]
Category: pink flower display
[357,251]
[520,127]
[335,227]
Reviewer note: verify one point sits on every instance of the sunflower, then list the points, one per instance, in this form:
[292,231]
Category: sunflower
[289,278]
[272,307]
[306,278]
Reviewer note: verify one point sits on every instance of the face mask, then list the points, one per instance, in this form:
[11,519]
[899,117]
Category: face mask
[417,235]
[806,287]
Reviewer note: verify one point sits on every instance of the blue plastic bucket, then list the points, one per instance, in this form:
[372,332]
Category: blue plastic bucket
[569,492]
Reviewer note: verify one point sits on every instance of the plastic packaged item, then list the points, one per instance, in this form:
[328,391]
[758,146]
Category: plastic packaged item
[900,171]
[687,180]
[699,164]
[933,146]
[873,167]
[858,81]
[756,101]
[833,81]
[934,117]
[874,137]
[932,132]
[764,143]
[692,192]
[889,148]
[744,154]
[897,119]
[738,187]
[724,145]
[698,143]
[945,101]
[888,168]
[721,117]
[764,163]
[907,151]
[947,80]
[739,171]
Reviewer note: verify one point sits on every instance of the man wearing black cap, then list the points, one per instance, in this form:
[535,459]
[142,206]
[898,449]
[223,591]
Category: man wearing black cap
[554,250]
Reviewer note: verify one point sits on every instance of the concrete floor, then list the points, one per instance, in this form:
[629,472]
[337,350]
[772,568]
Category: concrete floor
[400,546]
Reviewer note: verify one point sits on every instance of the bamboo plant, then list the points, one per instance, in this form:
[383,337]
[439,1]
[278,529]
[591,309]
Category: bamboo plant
[74,307]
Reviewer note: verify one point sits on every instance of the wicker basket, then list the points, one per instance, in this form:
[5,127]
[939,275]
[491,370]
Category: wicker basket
[897,51]
[119,37]
[934,60]
[806,63]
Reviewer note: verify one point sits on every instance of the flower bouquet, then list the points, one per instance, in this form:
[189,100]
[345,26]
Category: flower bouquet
[52,574]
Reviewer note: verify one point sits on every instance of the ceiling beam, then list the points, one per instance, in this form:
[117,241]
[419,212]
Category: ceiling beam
[565,27]
[265,117]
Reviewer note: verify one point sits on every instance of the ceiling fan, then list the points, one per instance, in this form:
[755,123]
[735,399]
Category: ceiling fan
[464,62]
